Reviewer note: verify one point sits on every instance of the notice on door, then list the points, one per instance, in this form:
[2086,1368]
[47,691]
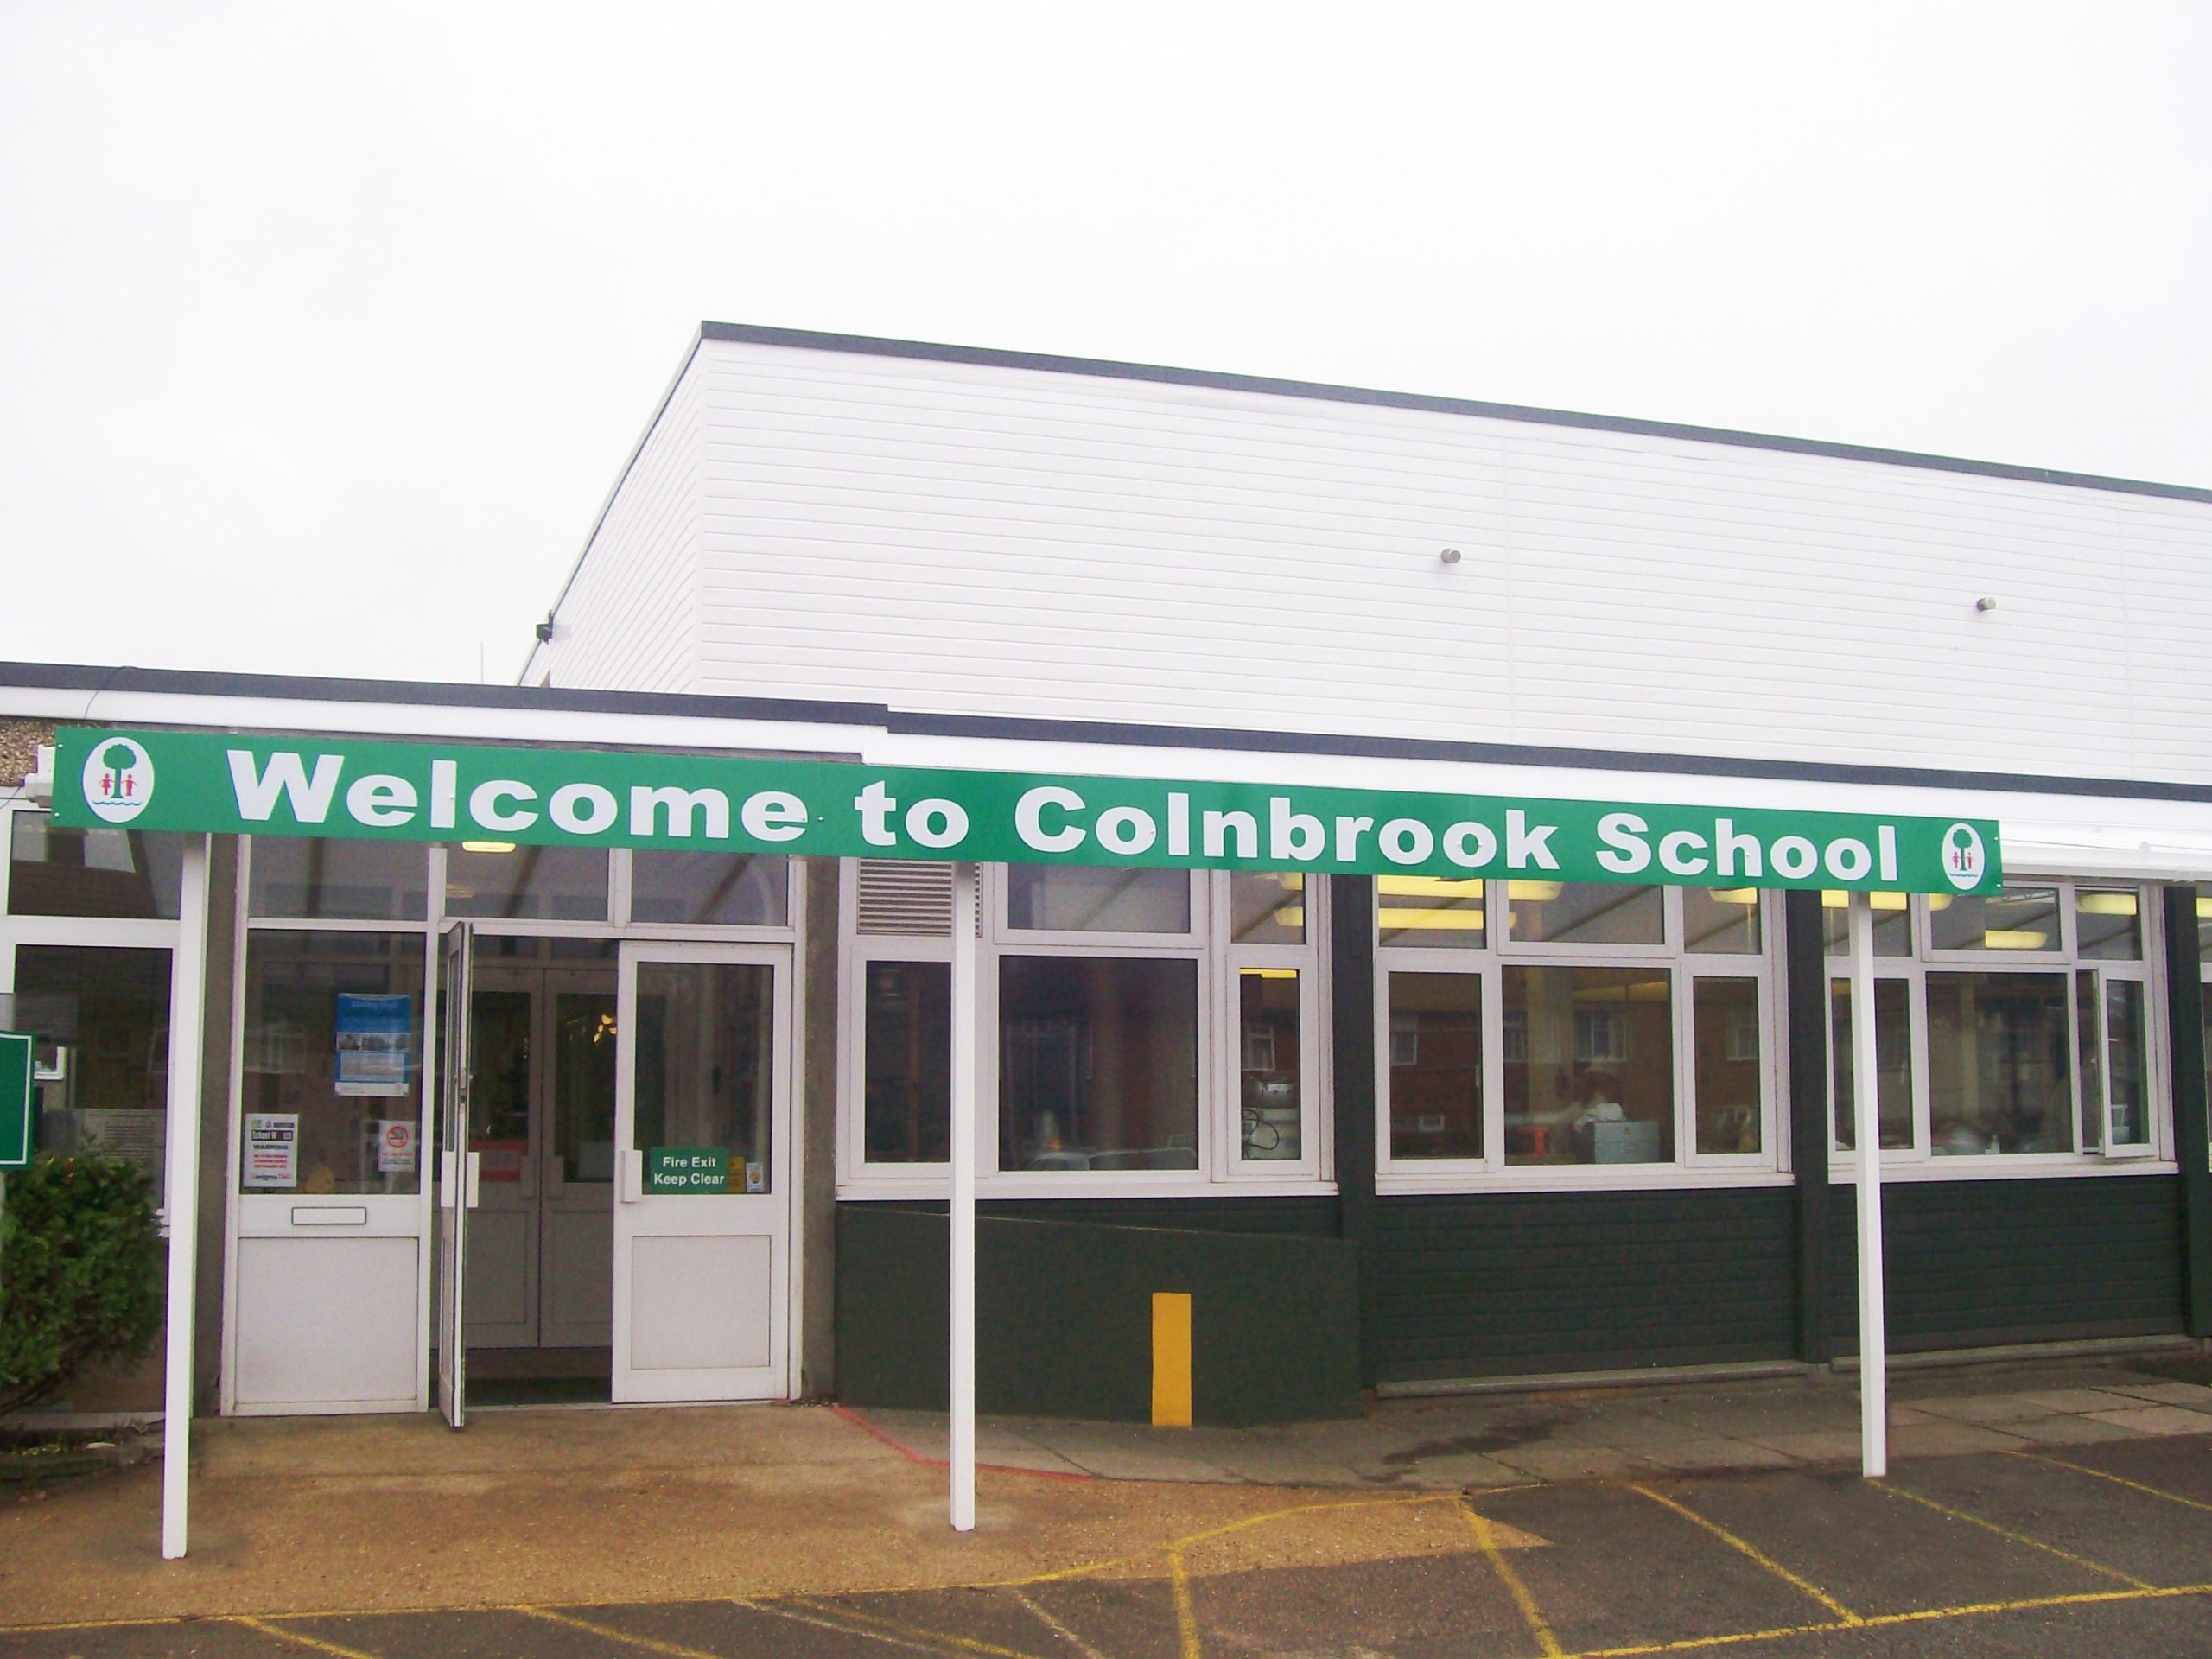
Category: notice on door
[395,1147]
[376,1044]
[687,1169]
[272,1151]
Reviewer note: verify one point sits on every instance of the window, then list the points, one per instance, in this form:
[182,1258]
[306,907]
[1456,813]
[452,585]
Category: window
[1099,1063]
[1628,1026]
[907,1063]
[498,880]
[709,889]
[121,873]
[338,880]
[2011,1026]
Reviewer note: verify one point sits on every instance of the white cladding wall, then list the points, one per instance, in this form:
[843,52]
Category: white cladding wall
[975,538]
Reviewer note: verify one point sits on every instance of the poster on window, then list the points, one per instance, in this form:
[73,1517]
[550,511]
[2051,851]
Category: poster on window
[376,1036]
[272,1151]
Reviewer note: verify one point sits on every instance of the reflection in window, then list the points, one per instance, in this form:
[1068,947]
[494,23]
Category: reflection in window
[2106,927]
[1429,910]
[1892,914]
[583,1084]
[1098,1063]
[1436,1065]
[1721,920]
[709,889]
[100,1024]
[2018,918]
[1999,1073]
[1583,912]
[705,1071]
[1892,1063]
[2113,1070]
[1597,1083]
[907,1063]
[1270,1064]
[1725,1015]
[340,880]
[1267,907]
[123,873]
[499,880]
[1076,898]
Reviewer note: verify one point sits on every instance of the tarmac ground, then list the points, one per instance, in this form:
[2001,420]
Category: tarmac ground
[738,1533]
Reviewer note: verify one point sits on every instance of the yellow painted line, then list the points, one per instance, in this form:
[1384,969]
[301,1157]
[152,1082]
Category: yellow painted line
[871,1623]
[1532,1615]
[2006,1533]
[832,1625]
[1044,1617]
[1745,1547]
[1171,1359]
[650,1643]
[1186,1615]
[299,1639]
[2117,1480]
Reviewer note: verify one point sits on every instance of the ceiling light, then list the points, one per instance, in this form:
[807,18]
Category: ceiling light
[487,846]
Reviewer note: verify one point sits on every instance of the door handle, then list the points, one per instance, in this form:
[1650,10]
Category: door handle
[445,1179]
[633,1176]
[475,1178]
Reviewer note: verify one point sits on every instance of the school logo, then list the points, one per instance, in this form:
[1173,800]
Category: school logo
[118,780]
[1964,859]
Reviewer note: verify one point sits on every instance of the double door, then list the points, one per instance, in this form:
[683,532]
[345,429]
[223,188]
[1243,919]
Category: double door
[657,1116]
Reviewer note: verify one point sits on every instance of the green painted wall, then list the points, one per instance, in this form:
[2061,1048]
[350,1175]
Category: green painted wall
[1064,1309]
[1978,1263]
[1503,1284]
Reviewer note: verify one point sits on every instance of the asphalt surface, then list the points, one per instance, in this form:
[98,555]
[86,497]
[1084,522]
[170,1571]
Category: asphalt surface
[2101,1550]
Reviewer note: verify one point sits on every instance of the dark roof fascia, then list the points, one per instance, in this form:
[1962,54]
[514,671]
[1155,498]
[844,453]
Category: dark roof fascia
[866,346]
[684,705]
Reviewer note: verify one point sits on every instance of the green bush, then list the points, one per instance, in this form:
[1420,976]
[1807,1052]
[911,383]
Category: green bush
[80,1273]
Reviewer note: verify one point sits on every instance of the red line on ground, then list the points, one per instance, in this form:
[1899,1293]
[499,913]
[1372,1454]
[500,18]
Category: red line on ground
[912,1456]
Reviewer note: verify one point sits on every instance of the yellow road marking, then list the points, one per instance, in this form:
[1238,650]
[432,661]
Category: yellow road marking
[1186,1615]
[1532,1615]
[650,1643]
[2081,1561]
[299,1638]
[1745,1547]
[833,1625]
[871,1623]
[2117,1480]
[1050,1622]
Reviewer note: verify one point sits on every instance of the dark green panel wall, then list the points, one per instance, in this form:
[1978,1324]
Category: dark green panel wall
[1975,1263]
[1506,1283]
[1063,1311]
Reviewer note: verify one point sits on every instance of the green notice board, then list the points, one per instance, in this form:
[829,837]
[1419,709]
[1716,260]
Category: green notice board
[16,1136]
[687,1169]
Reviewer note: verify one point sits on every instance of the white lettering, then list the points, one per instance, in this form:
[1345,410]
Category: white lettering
[286,774]
[1126,829]
[1726,843]
[1297,836]
[875,806]
[1028,819]
[1349,831]
[1213,833]
[1179,825]
[445,786]
[1455,845]
[583,808]
[1793,857]
[937,823]
[381,799]
[1848,860]
[774,815]
[1673,849]
[484,807]
[1524,844]
[1620,830]
[1405,841]
[678,806]
[1885,838]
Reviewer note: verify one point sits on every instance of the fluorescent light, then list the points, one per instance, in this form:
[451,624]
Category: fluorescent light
[1534,891]
[1431,887]
[1399,921]
[487,846]
[1732,895]
[2013,938]
[2112,904]
[1269,972]
[1832,899]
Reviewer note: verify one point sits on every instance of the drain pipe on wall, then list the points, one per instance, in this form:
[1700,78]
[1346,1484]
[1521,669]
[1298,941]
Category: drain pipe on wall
[1866,1141]
[962,1453]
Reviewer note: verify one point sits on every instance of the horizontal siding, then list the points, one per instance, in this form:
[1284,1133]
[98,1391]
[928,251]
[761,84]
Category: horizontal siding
[1503,1284]
[977,539]
[1980,1263]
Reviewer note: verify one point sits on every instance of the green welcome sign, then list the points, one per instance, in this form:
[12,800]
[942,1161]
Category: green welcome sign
[373,789]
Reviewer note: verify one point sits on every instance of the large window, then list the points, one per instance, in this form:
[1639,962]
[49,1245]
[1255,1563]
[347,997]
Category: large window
[1140,1030]
[2008,1026]
[113,873]
[1534,1030]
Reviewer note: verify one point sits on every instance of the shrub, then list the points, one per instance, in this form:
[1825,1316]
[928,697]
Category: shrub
[80,1273]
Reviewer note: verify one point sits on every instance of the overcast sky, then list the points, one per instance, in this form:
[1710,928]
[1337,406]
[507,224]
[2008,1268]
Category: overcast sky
[324,330]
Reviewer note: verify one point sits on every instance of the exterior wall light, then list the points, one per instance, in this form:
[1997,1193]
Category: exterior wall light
[1984,604]
[1450,555]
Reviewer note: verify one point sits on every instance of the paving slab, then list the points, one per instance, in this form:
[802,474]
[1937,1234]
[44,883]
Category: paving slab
[2071,1429]
[1942,1439]
[2077,1399]
[1985,1407]
[2156,1419]
[2193,1394]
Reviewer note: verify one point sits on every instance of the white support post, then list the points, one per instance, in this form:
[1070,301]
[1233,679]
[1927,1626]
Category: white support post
[187,1020]
[963,1451]
[1866,1140]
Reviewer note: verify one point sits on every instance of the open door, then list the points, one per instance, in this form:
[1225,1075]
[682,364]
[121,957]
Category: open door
[457,1172]
[701,1227]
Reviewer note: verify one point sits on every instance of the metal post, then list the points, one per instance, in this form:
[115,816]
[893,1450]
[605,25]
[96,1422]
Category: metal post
[963,1450]
[188,1011]
[1866,1138]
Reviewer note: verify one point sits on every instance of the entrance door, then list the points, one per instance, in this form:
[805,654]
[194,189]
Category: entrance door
[701,1232]
[457,1172]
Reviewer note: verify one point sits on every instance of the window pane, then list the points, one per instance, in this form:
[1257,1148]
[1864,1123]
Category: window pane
[1073,898]
[1589,1065]
[1098,1063]
[1998,1072]
[583,1084]
[705,1060]
[2018,918]
[1892,922]
[501,1034]
[548,884]
[2089,1060]
[57,872]
[333,1063]
[1269,1063]
[1725,1015]
[2127,1070]
[345,880]
[1721,919]
[709,889]
[1267,908]
[1583,912]
[1892,1063]
[907,1063]
[2106,927]
[1428,910]
[1436,1065]
[100,1023]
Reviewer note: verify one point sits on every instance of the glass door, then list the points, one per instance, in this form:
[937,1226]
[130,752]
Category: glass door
[456,1171]
[702,1230]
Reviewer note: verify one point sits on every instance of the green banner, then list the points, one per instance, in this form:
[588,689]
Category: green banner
[373,789]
